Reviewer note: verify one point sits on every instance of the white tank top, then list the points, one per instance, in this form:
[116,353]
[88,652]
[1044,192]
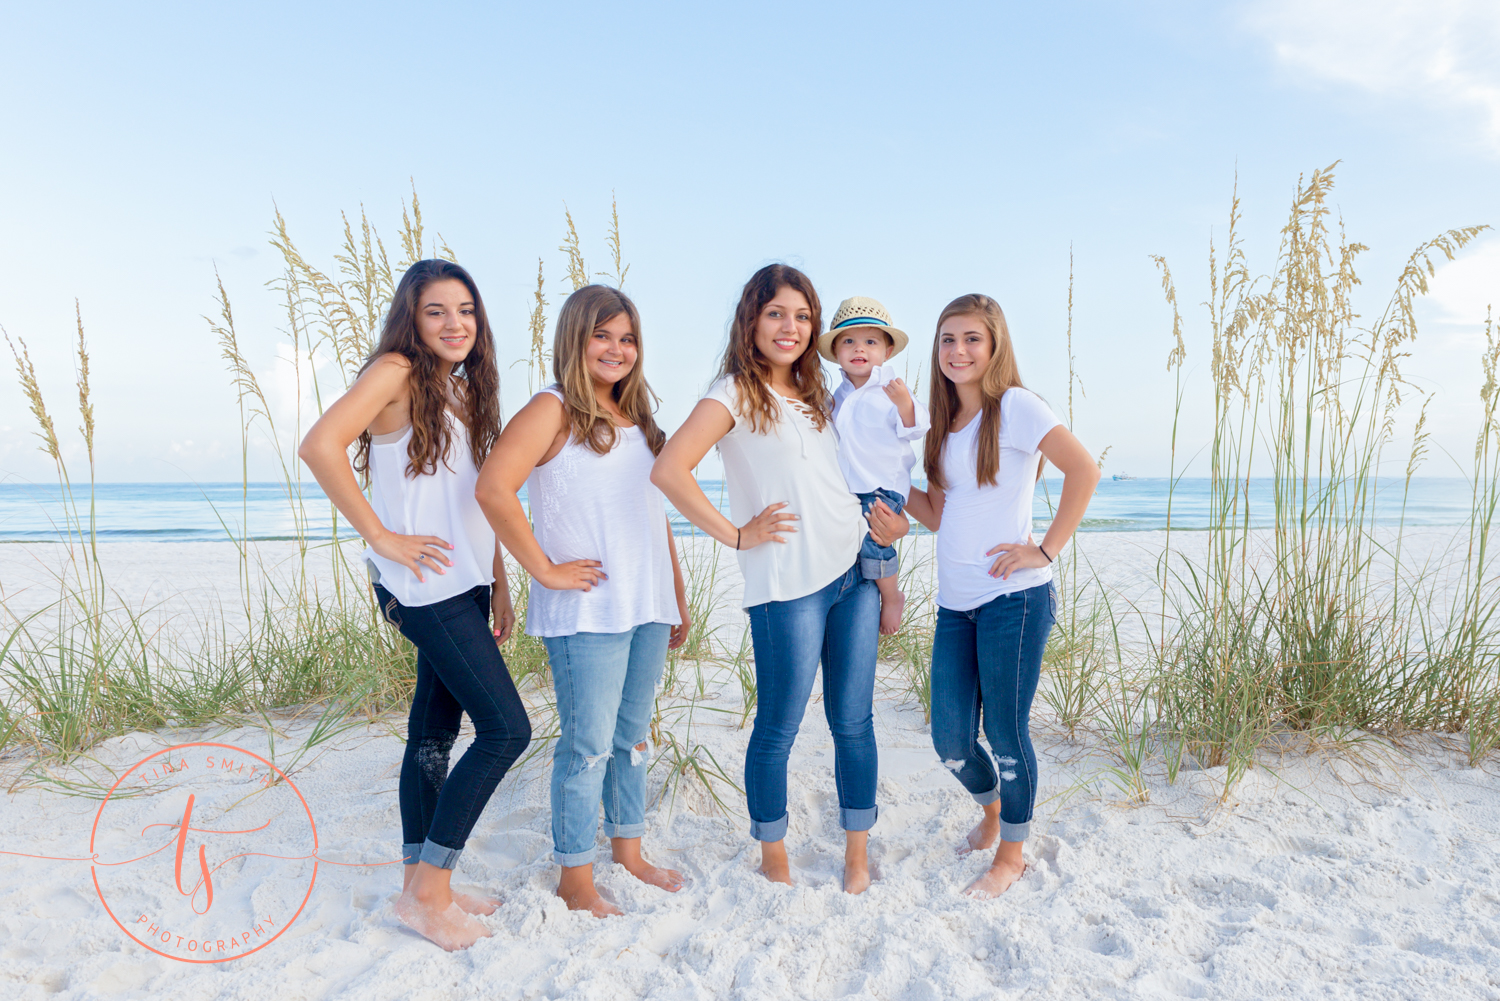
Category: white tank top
[439,503]
[587,506]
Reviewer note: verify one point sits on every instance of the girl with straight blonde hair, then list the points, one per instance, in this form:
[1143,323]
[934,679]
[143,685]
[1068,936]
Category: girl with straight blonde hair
[607,595]
[996,601]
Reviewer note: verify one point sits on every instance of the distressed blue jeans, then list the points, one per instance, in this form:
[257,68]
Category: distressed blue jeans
[606,692]
[459,670]
[985,664]
[839,625]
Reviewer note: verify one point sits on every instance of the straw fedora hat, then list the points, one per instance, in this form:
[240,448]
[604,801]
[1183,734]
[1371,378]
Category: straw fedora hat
[858,312]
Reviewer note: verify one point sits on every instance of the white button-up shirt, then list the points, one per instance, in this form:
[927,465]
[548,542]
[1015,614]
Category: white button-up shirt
[874,446]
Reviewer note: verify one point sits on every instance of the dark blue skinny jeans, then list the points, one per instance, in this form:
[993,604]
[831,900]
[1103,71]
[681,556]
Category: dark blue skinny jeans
[986,663]
[459,670]
[838,624]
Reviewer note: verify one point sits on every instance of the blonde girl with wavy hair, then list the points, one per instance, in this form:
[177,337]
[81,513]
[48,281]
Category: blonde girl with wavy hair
[996,603]
[798,530]
[607,596]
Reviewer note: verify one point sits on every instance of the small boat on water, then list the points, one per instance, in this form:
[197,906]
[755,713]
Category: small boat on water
[1124,476]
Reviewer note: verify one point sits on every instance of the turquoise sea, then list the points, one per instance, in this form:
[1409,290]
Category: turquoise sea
[189,512]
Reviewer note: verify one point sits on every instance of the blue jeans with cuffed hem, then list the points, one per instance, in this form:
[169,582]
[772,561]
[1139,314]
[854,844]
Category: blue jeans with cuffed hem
[459,670]
[839,625]
[986,663]
[606,692]
[877,561]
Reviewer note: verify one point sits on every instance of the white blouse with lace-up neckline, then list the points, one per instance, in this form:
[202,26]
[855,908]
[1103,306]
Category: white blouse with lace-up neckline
[796,463]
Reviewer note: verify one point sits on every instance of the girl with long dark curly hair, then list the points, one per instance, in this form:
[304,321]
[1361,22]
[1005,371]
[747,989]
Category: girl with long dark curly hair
[425,412]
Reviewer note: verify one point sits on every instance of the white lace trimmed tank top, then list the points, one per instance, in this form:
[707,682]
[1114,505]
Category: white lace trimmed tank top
[439,503]
[587,506]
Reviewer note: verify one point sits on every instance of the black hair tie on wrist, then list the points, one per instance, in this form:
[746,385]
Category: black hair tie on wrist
[1043,552]
[736,540]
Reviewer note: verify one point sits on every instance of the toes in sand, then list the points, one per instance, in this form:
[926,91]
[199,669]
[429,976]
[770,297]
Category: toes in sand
[447,927]
[981,837]
[475,903]
[995,880]
[668,879]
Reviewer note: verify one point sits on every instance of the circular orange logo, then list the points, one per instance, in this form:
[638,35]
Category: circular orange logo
[204,852]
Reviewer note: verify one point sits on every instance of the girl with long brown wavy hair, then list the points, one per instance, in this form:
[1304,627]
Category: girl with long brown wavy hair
[996,602]
[798,531]
[607,594]
[425,412]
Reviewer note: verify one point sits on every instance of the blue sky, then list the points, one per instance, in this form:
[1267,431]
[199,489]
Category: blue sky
[907,152]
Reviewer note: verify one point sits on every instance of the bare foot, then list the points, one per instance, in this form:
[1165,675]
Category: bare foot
[892,604]
[773,863]
[575,885]
[591,902]
[473,903]
[448,927]
[627,852]
[856,861]
[995,880]
[983,835]
[668,879]
[856,879]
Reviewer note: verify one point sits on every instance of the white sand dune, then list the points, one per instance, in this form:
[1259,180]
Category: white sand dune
[1323,876]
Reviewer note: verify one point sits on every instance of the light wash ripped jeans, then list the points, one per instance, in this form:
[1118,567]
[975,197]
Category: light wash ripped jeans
[606,692]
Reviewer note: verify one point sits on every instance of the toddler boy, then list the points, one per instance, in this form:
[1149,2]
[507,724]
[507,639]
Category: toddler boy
[877,419]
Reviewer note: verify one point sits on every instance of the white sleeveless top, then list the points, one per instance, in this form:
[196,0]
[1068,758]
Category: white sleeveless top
[587,506]
[439,503]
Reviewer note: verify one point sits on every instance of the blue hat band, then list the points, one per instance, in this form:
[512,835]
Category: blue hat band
[861,321]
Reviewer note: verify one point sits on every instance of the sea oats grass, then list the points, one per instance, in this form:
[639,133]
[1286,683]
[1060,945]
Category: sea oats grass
[1307,623]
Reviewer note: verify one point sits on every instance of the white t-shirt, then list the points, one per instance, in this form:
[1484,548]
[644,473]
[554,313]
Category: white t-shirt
[587,506]
[796,463]
[978,518]
[874,446]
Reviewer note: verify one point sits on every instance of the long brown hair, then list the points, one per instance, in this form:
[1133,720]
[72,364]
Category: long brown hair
[582,313]
[478,375]
[999,375]
[749,369]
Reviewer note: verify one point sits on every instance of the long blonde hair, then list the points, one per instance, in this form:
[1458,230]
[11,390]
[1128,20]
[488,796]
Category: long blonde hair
[748,368]
[582,313]
[999,375]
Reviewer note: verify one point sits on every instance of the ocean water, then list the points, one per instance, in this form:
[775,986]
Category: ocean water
[184,512]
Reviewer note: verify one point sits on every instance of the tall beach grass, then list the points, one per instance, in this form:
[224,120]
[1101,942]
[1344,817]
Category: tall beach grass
[1314,626]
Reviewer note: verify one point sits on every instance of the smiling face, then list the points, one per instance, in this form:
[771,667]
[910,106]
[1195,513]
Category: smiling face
[612,350]
[860,350]
[964,348]
[783,331]
[446,320]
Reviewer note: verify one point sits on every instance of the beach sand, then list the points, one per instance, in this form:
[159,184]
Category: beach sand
[1371,873]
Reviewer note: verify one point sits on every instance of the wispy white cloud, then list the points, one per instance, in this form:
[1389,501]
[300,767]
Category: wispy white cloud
[1464,290]
[1443,54]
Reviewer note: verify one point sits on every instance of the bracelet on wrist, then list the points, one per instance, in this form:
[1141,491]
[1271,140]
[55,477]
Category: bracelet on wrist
[1043,552]
[736,540]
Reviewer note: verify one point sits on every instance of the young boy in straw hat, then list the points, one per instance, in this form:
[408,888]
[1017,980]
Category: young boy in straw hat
[877,419]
